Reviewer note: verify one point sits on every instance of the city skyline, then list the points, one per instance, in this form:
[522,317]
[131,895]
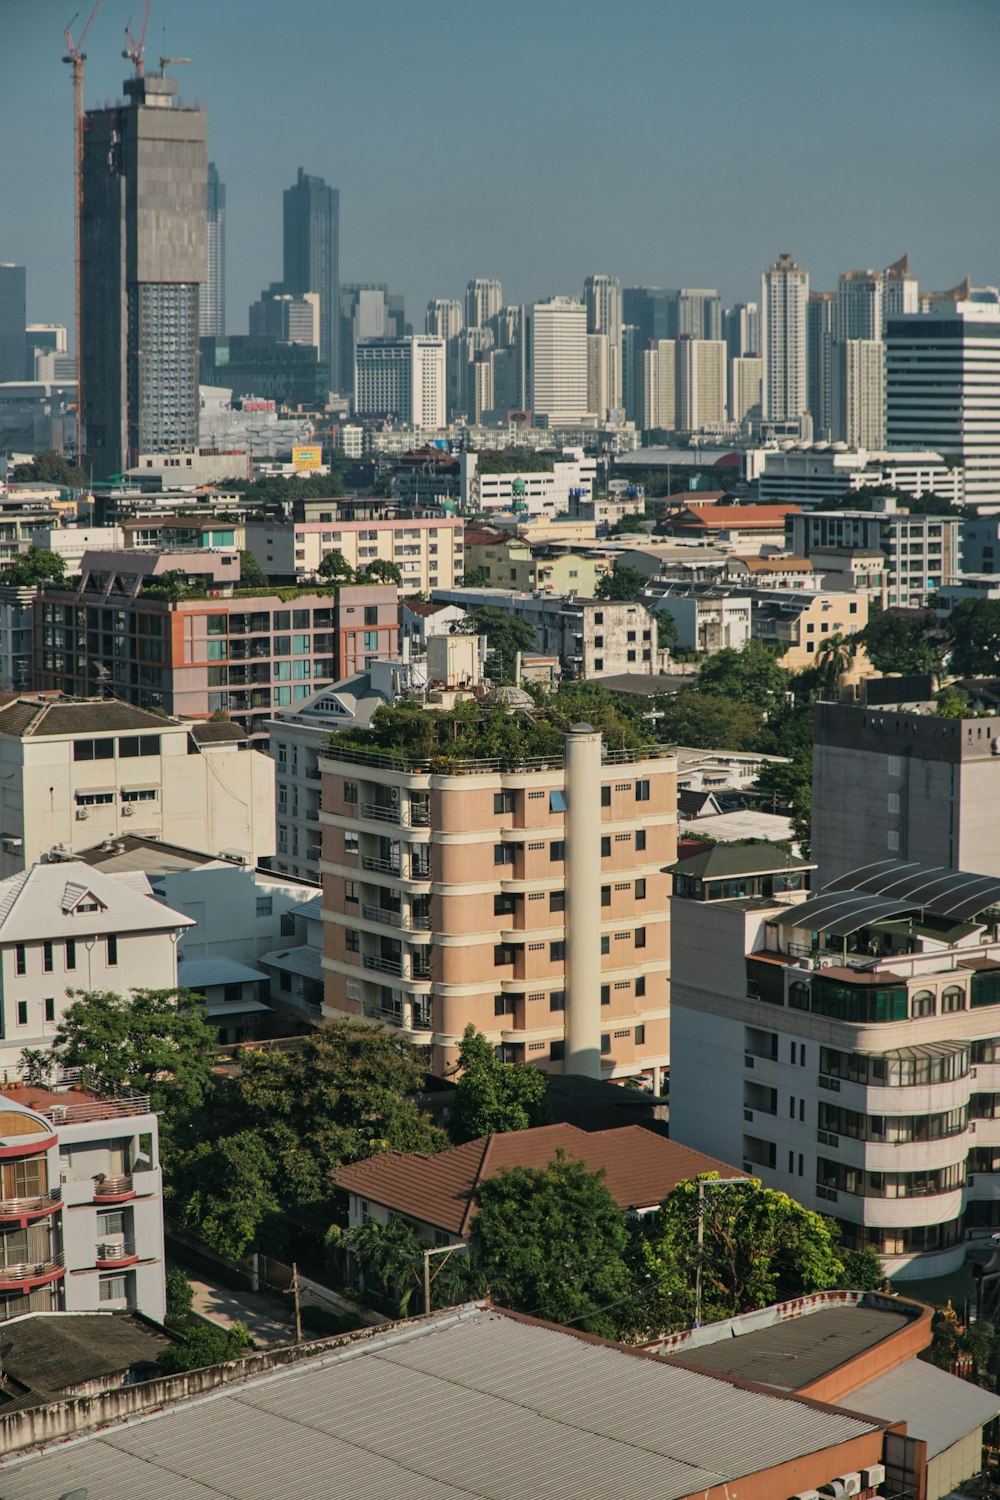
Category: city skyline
[427,209]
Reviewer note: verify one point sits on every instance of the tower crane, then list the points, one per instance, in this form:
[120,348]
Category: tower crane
[76,57]
[133,47]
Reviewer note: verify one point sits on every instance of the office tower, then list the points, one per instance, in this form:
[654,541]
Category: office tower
[603,298]
[364,314]
[402,378]
[632,373]
[46,347]
[784,297]
[744,387]
[653,310]
[558,360]
[507,327]
[859,312]
[943,387]
[571,855]
[483,300]
[13,322]
[278,315]
[858,393]
[659,386]
[701,383]
[598,373]
[901,293]
[212,316]
[821,313]
[699,313]
[312,256]
[395,313]
[480,387]
[143,260]
[444,318]
[466,347]
[741,327]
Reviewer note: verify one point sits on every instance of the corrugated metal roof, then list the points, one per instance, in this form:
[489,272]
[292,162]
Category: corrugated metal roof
[934,1405]
[468,1406]
[302,960]
[841,912]
[798,1351]
[202,973]
[947,893]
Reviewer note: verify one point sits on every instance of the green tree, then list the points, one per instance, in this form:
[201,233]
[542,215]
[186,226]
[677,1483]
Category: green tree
[476,578]
[51,468]
[493,1096]
[666,630]
[379,570]
[507,635]
[833,659]
[628,525]
[173,585]
[898,641]
[202,1346]
[336,568]
[37,565]
[139,1039]
[231,1191]
[389,1255]
[863,1270]
[953,703]
[625,583]
[252,575]
[974,631]
[708,721]
[180,1293]
[752,675]
[553,1244]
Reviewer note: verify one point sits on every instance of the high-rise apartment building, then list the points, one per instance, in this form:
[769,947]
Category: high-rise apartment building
[858,393]
[558,360]
[483,300]
[603,298]
[741,327]
[526,898]
[368,310]
[312,256]
[13,322]
[212,313]
[143,262]
[404,378]
[821,315]
[659,386]
[291,320]
[444,318]
[652,310]
[598,372]
[943,387]
[745,375]
[859,313]
[901,291]
[701,383]
[784,299]
[699,313]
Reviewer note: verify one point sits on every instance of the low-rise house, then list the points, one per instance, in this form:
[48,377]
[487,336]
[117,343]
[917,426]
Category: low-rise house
[56,1356]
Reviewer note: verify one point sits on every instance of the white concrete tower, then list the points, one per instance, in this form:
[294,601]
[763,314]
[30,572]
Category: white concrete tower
[784,299]
[559,361]
[602,296]
[583,900]
[483,300]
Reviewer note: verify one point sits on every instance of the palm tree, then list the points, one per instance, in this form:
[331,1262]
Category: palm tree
[835,655]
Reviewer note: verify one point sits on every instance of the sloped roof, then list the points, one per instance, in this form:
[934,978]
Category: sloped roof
[46,1352]
[203,973]
[935,1406]
[301,960]
[774,564]
[722,860]
[733,517]
[42,903]
[214,733]
[35,718]
[640,1168]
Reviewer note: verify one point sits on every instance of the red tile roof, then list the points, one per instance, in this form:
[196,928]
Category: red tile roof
[731,518]
[640,1168]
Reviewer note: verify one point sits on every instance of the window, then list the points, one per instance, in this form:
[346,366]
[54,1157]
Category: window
[138,744]
[352,942]
[953,998]
[605,1043]
[504,953]
[371,614]
[642,791]
[94,799]
[232,993]
[47,964]
[503,854]
[371,640]
[892,802]
[640,937]
[640,1036]
[599,617]
[143,795]
[605,994]
[557,1051]
[605,846]
[892,840]
[605,943]
[557,850]
[504,904]
[640,985]
[22,1013]
[557,900]
[557,802]
[351,891]
[113,1289]
[20,959]
[598,663]
[352,842]
[640,838]
[287,925]
[111,944]
[640,890]
[351,793]
[557,952]
[93,749]
[605,895]
[503,802]
[922,1004]
[265,905]
[605,796]
[557,1000]
[71,953]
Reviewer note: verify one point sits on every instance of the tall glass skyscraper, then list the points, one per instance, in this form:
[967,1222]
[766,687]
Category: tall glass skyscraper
[213,296]
[312,256]
[13,321]
[143,262]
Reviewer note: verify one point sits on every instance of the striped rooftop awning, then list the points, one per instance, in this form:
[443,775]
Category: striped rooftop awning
[933,888]
[840,913]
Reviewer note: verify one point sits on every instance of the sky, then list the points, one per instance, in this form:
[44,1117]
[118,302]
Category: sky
[668,142]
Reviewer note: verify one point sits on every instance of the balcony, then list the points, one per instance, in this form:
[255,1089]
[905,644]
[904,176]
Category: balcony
[375,811]
[384,914]
[114,1189]
[420,815]
[24,1275]
[384,965]
[20,1210]
[96,1109]
[115,1253]
[382,866]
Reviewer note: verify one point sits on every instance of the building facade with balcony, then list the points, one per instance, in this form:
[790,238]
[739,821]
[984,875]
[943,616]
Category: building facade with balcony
[846,1049]
[427,549]
[465,892]
[81,1203]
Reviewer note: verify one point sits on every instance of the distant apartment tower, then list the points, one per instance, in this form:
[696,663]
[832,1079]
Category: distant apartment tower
[483,300]
[701,383]
[444,318]
[745,375]
[405,378]
[741,328]
[659,386]
[943,387]
[858,393]
[558,360]
[312,256]
[821,315]
[212,313]
[784,300]
[603,298]
[901,291]
[699,313]
[859,312]
[528,901]
[143,262]
[291,319]
[13,322]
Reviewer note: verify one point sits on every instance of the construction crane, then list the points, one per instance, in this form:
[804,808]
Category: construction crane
[133,48]
[173,61]
[76,57]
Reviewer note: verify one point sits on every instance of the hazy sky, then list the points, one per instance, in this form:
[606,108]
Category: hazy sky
[670,142]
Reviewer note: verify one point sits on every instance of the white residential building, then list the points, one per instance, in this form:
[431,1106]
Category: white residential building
[532,492]
[65,926]
[483,301]
[784,299]
[598,372]
[901,291]
[859,313]
[426,548]
[659,386]
[71,542]
[404,378]
[858,393]
[603,298]
[701,383]
[75,771]
[558,361]
[812,473]
[745,376]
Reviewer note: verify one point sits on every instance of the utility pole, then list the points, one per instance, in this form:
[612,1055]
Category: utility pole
[298,1303]
[446,1251]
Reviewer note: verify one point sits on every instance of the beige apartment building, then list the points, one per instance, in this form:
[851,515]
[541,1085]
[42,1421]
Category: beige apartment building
[528,899]
[428,549]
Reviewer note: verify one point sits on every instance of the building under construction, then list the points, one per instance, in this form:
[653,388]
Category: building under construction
[144,186]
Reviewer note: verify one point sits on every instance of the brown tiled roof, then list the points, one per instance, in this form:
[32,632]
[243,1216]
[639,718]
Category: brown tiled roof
[38,717]
[424,607]
[733,517]
[640,1168]
[209,733]
[776,564]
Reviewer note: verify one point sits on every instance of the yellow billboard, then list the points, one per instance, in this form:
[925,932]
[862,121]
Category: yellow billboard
[307,457]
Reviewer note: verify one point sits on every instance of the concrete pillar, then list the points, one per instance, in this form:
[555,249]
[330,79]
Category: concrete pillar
[583,900]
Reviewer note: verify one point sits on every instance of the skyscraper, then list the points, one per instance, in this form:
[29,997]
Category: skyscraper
[821,311]
[742,330]
[312,256]
[558,356]
[143,261]
[784,296]
[603,298]
[859,306]
[402,377]
[483,300]
[858,392]
[701,383]
[13,322]
[213,297]
[699,313]
[901,290]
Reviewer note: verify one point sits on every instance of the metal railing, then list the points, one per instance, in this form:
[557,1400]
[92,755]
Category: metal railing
[420,815]
[111,1252]
[384,914]
[384,965]
[113,1187]
[31,1270]
[13,1208]
[384,866]
[445,765]
[379,813]
[96,1109]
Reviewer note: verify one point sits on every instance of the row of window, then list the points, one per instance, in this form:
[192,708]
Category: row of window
[102,799]
[127,745]
[838,1177]
[891,1129]
[68,948]
[505,1005]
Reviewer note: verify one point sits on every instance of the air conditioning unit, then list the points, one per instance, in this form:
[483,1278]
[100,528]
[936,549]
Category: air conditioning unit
[394,794]
[805,1495]
[873,1475]
[845,1484]
[82,815]
[128,810]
